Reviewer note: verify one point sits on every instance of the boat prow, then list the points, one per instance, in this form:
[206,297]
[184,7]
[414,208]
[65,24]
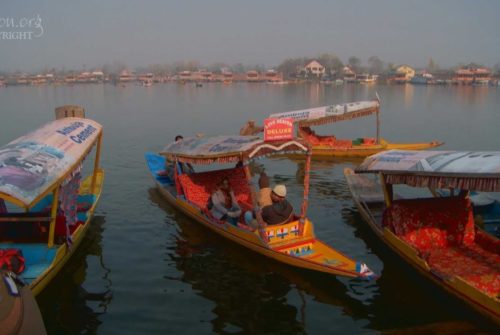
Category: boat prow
[411,146]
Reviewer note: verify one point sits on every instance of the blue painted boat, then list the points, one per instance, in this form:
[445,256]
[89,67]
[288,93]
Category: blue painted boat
[46,203]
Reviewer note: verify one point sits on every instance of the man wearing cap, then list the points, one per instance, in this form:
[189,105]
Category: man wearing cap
[280,211]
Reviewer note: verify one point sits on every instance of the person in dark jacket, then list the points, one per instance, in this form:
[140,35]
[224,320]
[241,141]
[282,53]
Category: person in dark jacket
[280,211]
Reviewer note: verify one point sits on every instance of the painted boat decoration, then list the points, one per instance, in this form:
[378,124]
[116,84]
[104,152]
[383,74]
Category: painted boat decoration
[293,243]
[45,204]
[330,146]
[436,235]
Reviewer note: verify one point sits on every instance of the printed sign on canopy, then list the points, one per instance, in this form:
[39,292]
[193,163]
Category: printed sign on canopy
[278,129]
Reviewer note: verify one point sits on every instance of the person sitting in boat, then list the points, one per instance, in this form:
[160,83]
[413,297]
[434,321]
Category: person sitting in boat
[181,167]
[264,198]
[250,129]
[280,211]
[224,204]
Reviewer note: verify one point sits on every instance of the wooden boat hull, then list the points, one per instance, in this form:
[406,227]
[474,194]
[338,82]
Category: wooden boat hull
[63,253]
[368,150]
[484,304]
[319,257]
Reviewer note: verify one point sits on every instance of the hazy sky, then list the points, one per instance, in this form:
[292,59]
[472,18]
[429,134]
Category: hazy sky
[95,32]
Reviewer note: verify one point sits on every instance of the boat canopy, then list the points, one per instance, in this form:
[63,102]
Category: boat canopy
[33,165]
[330,114]
[227,149]
[467,170]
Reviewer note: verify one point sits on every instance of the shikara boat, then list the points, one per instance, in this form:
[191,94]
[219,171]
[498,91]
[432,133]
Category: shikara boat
[293,243]
[435,234]
[45,204]
[330,146]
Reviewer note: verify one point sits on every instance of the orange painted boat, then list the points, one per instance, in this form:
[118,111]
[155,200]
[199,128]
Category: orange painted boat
[436,235]
[330,146]
[293,243]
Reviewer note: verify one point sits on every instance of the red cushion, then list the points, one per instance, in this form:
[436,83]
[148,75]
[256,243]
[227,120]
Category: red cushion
[432,223]
[198,186]
[442,230]
[476,265]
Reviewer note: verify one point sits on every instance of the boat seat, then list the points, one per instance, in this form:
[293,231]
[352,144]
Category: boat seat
[37,257]
[443,233]
[343,144]
[432,223]
[314,139]
[198,187]
[475,264]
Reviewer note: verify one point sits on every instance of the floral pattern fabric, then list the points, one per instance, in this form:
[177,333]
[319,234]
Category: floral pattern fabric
[443,233]
[198,187]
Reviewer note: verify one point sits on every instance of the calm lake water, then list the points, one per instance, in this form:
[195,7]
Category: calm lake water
[147,269]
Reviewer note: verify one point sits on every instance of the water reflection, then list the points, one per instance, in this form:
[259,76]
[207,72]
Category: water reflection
[67,306]
[251,293]
[471,95]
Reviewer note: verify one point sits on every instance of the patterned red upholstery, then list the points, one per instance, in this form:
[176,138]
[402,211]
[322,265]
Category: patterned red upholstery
[488,242]
[198,186]
[314,139]
[442,231]
[432,223]
[479,267]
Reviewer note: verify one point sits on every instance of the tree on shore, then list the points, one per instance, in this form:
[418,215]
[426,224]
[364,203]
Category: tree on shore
[432,66]
[354,63]
[291,66]
[376,66]
[496,68]
[238,68]
[391,67]
[217,67]
[331,62]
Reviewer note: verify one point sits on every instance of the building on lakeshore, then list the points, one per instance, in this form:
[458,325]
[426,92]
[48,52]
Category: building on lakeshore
[272,76]
[126,76]
[401,75]
[314,69]
[348,75]
[253,76]
[470,76]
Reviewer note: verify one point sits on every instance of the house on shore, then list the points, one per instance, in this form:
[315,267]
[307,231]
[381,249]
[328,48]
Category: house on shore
[348,75]
[470,76]
[401,75]
[314,69]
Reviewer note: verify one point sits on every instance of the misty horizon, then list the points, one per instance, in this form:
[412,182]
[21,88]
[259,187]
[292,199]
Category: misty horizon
[92,34]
